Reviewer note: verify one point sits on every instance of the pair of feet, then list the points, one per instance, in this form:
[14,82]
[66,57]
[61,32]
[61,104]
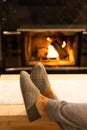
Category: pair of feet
[36,91]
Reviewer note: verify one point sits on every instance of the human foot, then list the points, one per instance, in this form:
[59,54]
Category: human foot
[30,94]
[41,105]
[40,79]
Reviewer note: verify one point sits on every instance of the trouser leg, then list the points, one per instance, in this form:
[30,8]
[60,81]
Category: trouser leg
[72,114]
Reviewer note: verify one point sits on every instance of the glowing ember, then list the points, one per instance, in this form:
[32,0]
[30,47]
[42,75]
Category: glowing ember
[52,53]
[48,39]
[64,44]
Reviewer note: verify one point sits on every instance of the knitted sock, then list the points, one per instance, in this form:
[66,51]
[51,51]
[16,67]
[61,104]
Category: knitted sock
[30,93]
[40,79]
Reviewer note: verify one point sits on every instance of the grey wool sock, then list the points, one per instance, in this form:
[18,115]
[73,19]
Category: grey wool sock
[29,93]
[40,78]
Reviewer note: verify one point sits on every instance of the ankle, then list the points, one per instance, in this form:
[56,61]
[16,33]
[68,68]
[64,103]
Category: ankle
[49,92]
[41,105]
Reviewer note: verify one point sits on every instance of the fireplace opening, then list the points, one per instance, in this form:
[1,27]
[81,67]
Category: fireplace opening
[52,48]
[58,49]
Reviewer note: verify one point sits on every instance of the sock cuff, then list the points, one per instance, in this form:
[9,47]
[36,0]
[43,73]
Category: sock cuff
[52,109]
[33,113]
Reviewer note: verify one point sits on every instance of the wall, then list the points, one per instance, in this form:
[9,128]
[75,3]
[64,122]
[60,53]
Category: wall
[0,47]
[15,13]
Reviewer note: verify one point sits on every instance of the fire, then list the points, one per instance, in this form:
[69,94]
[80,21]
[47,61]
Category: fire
[64,44]
[48,39]
[52,53]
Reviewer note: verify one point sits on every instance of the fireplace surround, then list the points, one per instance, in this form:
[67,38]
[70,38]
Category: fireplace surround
[58,48]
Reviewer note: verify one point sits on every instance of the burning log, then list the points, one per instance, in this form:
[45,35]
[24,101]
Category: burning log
[61,51]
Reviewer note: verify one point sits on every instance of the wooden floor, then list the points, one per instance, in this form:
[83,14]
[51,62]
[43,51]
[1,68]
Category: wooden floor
[13,117]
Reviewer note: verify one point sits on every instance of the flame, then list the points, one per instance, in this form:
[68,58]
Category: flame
[64,44]
[48,39]
[52,53]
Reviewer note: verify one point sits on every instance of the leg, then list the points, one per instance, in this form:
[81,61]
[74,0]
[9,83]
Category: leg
[70,116]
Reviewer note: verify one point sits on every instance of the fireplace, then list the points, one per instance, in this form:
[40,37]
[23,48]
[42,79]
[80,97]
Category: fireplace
[54,47]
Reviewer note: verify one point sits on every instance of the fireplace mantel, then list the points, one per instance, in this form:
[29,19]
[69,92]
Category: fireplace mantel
[70,28]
